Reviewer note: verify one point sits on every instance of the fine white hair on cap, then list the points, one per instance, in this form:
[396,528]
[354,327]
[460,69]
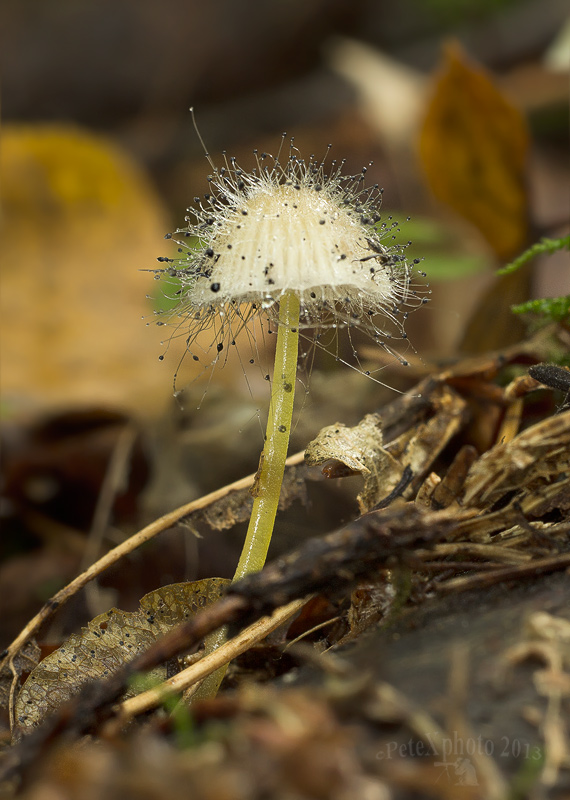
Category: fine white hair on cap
[295,227]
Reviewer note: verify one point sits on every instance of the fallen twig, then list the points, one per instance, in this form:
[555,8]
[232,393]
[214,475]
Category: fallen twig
[210,663]
[538,566]
[123,549]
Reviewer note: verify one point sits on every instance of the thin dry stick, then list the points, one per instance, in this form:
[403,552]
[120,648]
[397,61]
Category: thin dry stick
[492,552]
[438,739]
[123,549]
[511,422]
[114,478]
[537,566]
[392,702]
[210,663]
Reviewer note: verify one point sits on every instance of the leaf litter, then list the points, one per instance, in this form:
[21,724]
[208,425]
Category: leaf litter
[469,502]
[502,517]
[109,640]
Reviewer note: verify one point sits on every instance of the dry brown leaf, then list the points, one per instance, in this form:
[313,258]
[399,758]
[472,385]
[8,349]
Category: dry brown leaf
[107,643]
[360,449]
[474,147]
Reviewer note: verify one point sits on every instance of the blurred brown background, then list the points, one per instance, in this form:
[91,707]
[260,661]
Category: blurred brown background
[100,159]
[82,214]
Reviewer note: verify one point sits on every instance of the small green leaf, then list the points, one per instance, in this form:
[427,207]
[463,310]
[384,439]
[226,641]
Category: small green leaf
[442,249]
[168,298]
[544,246]
[554,309]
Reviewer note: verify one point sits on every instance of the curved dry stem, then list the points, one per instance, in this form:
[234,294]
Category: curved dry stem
[123,549]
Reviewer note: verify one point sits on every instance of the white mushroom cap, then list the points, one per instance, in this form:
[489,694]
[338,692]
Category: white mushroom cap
[288,239]
[291,227]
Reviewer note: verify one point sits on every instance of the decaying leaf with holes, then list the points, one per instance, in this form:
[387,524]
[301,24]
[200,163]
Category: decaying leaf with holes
[107,643]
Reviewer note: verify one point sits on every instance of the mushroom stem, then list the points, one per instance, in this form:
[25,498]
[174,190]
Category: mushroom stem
[269,478]
[267,486]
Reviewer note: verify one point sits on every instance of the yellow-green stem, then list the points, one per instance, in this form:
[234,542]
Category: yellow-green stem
[272,464]
[269,479]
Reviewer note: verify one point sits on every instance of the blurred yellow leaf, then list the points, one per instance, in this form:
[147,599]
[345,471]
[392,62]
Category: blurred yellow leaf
[80,221]
[473,146]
